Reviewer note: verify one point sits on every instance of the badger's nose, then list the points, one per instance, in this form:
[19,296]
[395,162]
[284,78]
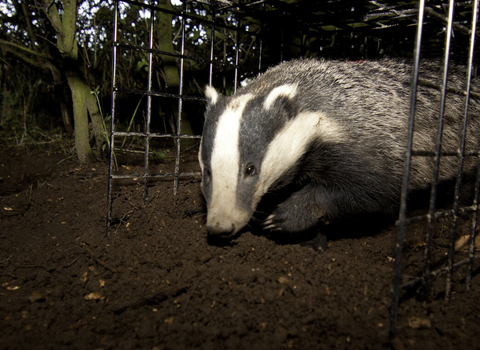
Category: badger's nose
[221,229]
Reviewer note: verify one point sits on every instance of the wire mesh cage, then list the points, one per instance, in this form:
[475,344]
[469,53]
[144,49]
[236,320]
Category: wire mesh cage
[225,43]
[202,58]
[456,226]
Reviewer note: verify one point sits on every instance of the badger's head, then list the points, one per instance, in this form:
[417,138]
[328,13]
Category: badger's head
[249,142]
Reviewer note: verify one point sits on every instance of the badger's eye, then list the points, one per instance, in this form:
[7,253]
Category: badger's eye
[250,170]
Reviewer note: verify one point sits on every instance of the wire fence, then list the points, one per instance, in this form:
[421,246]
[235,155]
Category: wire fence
[207,19]
[425,280]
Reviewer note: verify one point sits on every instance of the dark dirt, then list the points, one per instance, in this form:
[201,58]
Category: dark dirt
[157,283]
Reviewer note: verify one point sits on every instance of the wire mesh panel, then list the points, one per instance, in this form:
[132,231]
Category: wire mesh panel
[179,50]
[450,226]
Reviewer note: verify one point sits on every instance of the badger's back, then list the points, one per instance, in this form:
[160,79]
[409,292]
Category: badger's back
[371,102]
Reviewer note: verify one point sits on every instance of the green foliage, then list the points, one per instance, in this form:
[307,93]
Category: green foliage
[142,64]
[11,105]
[160,155]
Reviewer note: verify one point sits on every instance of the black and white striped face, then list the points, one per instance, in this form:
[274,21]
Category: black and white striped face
[249,142]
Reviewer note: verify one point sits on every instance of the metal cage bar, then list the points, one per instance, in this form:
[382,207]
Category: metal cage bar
[451,251]
[433,193]
[408,158]
[180,103]
[112,134]
[477,185]
[149,107]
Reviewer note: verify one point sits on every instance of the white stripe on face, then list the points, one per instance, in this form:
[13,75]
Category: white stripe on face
[225,167]
[288,90]
[291,143]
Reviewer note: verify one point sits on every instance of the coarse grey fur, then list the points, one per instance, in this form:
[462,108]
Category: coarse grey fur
[353,163]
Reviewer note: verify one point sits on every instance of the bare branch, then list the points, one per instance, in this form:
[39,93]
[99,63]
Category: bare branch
[44,63]
[24,49]
[31,33]
[26,58]
[51,11]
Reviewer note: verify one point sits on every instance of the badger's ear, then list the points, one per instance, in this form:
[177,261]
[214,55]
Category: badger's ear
[211,94]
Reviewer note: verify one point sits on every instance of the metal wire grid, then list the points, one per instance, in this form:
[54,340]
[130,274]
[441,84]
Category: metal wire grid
[433,213]
[153,7]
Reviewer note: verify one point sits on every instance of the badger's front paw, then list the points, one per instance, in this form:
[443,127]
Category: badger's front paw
[290,219]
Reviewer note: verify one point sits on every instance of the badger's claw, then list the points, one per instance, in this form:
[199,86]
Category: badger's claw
[269,220]
[272,228]
[268,224]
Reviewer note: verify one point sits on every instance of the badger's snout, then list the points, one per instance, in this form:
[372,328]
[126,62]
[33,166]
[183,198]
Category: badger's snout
[221,229]
[224,218]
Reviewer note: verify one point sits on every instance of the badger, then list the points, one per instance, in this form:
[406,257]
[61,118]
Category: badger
[326,140]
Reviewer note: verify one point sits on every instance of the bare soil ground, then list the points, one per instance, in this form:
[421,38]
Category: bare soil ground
[157,283]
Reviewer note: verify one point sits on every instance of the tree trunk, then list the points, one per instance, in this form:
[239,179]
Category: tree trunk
[60,92]
[98,131]
[80,92]
[63,20]
[66,117]
[165,43]
[64,23]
